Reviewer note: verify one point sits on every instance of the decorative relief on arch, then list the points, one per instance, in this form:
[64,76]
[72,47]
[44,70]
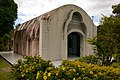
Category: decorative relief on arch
[75,21]
[68,17]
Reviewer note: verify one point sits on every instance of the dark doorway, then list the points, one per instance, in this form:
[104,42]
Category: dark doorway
[74,45]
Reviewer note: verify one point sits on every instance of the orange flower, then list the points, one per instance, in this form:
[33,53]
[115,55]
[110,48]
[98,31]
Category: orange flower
[57,72]
[95,75]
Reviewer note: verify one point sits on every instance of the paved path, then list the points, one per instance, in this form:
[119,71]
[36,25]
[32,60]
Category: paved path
[13,57]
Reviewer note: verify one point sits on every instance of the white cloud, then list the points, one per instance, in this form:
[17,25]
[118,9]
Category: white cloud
[33,8]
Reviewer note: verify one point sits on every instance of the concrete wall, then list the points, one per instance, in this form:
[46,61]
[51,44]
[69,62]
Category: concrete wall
[47,35]
[55,32]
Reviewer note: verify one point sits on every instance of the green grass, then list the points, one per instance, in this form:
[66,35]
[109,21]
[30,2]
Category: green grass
[5,69]
[3,63]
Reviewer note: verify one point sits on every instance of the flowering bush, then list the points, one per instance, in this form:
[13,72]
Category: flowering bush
[35,68]
[30,68]
[76,70]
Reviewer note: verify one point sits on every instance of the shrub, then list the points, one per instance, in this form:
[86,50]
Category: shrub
[35,68]
[76,70]
[93,59]
[90,71]
[116,57]
[30,68]
[116,65]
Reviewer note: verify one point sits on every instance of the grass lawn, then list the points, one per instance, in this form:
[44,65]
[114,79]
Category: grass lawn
[5,69]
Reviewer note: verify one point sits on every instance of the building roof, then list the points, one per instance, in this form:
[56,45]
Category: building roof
[32,27]
[33,22]
[44,16]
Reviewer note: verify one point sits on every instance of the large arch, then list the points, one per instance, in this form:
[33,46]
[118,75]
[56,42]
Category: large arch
[75,25]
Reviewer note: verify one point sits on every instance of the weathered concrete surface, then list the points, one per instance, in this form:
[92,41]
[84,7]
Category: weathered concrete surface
[47,35]
[12,58]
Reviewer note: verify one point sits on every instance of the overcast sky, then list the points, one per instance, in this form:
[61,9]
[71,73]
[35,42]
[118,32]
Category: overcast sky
[28,9]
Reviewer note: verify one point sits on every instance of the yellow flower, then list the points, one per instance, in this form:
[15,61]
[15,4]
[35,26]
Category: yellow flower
[49,74]
[99,73]
[45,73]
[95,75]
[91,72]
[45,77]
[49,68]
[25,65]
[26,71]
[74,70]
[20,66]
[37,76]
[78,65]
[22,75]
[32,67]
[83,68]
[73,78]
[63,68]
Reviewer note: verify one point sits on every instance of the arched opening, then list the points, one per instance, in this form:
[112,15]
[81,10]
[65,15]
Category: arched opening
[73,45]
[74,27]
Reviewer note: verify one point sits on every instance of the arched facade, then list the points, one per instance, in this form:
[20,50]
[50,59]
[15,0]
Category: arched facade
[74,25]
[47,35]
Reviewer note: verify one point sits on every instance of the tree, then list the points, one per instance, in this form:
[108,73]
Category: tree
[108,41]
[116,9]
[8,14]
[108,37]
[6,42]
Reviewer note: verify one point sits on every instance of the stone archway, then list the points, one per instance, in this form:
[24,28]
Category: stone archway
[73,45]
